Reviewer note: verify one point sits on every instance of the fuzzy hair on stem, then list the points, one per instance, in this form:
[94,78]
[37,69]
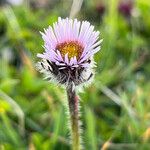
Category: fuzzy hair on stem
[73,103]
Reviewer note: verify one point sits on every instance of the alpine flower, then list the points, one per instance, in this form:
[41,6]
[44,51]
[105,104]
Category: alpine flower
[69,48]
[68,59]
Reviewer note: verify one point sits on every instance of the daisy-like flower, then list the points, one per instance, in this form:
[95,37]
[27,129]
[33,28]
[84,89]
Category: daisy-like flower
[68,59]
[69,48]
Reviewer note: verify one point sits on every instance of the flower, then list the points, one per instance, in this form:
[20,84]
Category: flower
[125,7]
[69,48]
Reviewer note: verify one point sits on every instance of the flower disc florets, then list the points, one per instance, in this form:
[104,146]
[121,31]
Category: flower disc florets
[73,48]
[69,49]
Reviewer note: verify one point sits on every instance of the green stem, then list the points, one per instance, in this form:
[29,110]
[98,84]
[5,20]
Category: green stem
[74,117]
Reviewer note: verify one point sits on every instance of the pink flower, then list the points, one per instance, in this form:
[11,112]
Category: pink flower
[69,48]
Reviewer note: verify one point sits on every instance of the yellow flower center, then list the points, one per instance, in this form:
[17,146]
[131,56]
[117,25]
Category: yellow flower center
[73,48]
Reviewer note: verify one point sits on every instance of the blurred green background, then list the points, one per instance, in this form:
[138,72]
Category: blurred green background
[115,108]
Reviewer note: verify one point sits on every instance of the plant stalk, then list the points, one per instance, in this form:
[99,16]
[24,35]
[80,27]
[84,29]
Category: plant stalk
[73,102]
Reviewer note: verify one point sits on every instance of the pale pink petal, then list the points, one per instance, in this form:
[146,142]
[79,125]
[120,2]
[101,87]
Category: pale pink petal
[66,59]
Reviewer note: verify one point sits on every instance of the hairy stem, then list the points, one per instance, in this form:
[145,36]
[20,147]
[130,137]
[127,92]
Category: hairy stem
[74,117]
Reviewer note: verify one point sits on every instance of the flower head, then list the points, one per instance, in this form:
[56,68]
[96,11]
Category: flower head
[69,48]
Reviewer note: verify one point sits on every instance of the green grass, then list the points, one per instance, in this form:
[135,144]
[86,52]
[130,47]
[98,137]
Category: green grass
[115,108]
